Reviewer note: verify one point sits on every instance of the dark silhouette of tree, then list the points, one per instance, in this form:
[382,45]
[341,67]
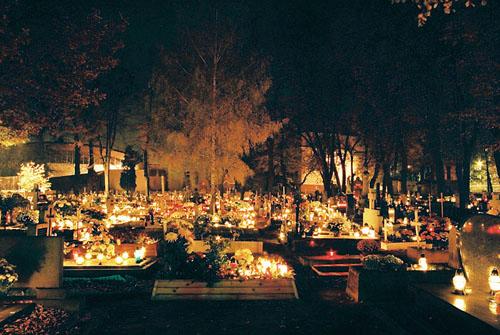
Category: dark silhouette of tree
[128,177]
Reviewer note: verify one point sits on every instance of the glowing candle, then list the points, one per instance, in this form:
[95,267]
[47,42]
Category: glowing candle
[422,263]
[283,269]
[494,281]
[459,282]
[100,257]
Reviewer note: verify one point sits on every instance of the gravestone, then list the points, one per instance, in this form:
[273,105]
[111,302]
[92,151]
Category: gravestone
[479,249]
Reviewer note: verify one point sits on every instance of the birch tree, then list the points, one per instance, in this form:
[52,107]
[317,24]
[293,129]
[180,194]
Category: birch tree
[217,93]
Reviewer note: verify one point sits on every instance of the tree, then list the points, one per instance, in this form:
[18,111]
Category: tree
[128,177]
[426,7]
[32,178]
[57,56]
[470,72]
[111,115]
[10,137]
[218,94]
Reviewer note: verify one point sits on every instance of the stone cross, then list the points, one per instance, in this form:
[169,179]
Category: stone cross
[49,217]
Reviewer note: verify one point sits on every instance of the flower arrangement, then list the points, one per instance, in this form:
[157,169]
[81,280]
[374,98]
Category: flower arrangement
[99,240]
[367,247]
[243,265]
[435,231]
[8,275]
[243,257]
[214,265]
[438,239]
[383,263]
[66,207]
[402,235]
[137,235]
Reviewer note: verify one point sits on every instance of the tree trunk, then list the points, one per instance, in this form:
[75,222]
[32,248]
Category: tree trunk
[464,187]
[77,160]
[404,170]
[77,157]
[351,154]
[464,180]
[213,141]
[107,162]
[489,184]
[146,172]
[496,157]
[344,175]
[375,175]
[270,164]
[387,180]
[41,154]
[327,183]
[438,164]
[106,178]
[283,167]
[90,167]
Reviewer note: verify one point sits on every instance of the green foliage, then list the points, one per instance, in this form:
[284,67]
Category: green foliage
[27,256]
[176,262]
[173,258]
[215,259]
[202,225]
[10,202]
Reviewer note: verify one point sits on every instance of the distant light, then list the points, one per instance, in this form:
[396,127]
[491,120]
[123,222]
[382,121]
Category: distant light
[479,164]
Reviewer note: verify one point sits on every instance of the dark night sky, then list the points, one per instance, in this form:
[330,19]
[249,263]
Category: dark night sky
[312,45]
[305,40]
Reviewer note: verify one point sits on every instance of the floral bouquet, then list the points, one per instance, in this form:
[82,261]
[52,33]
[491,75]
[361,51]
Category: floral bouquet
[243,257]
[439,240]
[8,275]
[383,263]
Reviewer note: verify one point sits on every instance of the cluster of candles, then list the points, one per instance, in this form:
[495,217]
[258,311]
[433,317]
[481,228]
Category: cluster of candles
[139,254]
[366,231]
[460,282]
[267,267]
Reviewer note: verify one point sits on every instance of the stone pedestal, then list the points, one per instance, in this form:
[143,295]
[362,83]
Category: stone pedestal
[373,218]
